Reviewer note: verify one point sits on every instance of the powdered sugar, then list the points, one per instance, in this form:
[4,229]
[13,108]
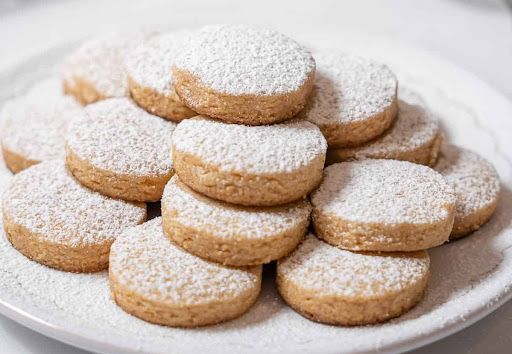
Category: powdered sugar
[100,62]
[150,64]
[116,135]
[251,149]
[238,60]
[331,271]
[229,221]
[474,180]
[384,191]
[414,127]
[145,261]
[468,277]
[47,200]
[34,125]
[349,88]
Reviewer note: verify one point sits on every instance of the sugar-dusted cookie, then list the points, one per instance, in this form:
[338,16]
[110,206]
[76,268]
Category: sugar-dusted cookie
[243,74]
[228,233]
[250,165]
[52,219]
[121,151]
[353,99]
[330,285]
[155,280]
[415,136]
[34,125]
[149,69]
[476,184]
[383,205]
[96,70]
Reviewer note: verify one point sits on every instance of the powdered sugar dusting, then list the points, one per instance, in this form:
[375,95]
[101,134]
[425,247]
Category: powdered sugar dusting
[116,135]
[384,191]
[150,63]
[349,88]
[238,60]
[47,200]
[255,149]
[229,221]
[473,178]
[100,62]
[414,127]
[469,277]
[35,125]
[330,271]
[145,261]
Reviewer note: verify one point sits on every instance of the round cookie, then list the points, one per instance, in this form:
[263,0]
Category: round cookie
[353,99]
[231,234]
[155,280]
[52,219]
[383,205]
[242,74]
[476,184]
[121,151]
[149,68]
[249,165]
[334,286]
[415,136]
[96,70]
[34,125]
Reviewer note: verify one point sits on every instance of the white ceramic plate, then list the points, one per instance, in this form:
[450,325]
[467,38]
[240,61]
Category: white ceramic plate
[470,278]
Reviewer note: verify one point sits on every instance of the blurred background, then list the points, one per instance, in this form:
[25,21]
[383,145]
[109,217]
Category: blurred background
[475,35]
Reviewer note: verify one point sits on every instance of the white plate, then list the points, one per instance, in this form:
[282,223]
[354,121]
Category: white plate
[470,278]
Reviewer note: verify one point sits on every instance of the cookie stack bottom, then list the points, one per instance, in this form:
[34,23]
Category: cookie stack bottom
[155,280]
[334,286]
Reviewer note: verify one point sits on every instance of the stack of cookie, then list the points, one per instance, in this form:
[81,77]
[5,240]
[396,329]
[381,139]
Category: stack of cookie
[230,127]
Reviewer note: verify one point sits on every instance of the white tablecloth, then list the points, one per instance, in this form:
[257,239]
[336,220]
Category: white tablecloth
[476,35]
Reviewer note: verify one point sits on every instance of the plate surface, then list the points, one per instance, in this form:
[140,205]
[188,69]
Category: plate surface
[469,278]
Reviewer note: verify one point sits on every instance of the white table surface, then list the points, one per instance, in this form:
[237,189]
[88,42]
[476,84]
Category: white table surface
[476,35]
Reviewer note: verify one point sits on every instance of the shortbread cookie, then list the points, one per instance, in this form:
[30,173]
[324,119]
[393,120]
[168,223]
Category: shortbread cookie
[149,69]
[96,70]
[415,136]
[121,151]
[249,165]
[243,74]
[34,125]
[476,184]
[383,205]
[231,234]
[155,280]
[52,219]
[353,99]
[334,286]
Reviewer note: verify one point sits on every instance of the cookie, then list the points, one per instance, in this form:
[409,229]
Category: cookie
[149,69]
[383,205]
[415,136]
[34,125]
[249,165]
[243,74]
[339,287]
[52,219]
[121,151]
[476,184]
[96,70]
[155,280]
[353,99]
[231,234]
